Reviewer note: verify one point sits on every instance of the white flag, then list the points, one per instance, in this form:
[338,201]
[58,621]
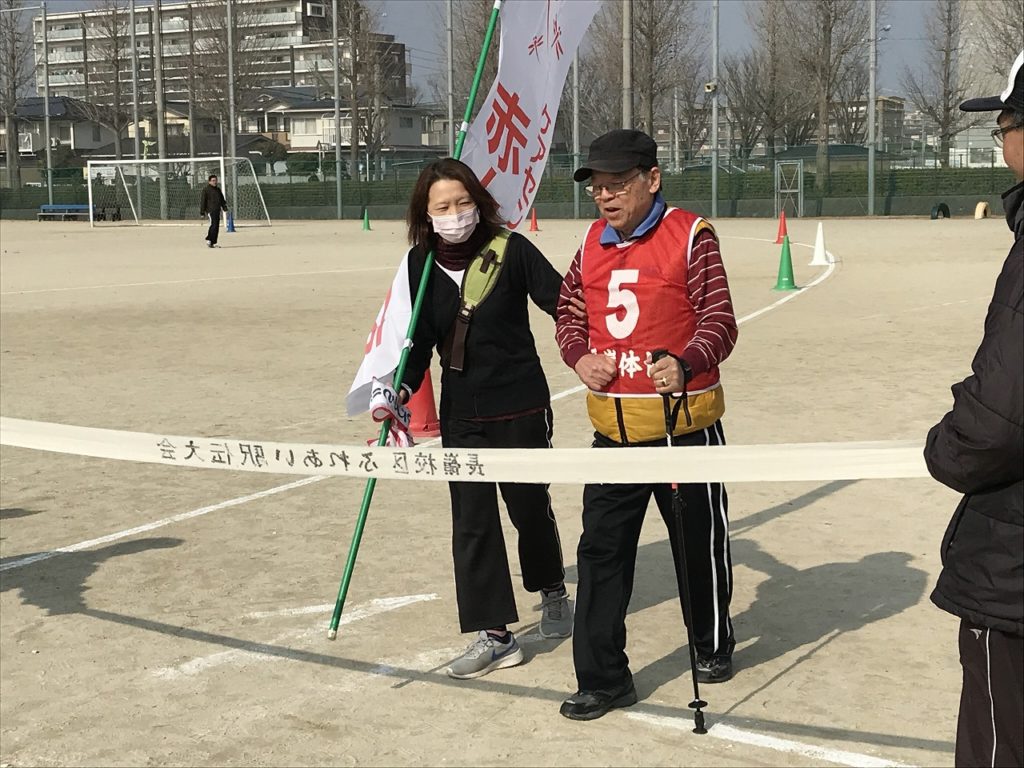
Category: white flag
[508,143]
[507,147]
[385,342]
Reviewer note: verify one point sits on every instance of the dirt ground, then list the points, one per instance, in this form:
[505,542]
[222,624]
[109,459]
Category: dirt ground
[201,640]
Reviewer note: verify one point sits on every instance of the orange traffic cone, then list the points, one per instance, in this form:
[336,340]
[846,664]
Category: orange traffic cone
[424,422]
[782,228]
[533,220]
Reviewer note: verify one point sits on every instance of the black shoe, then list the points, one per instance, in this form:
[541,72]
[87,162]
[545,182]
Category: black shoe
[590,705]
[210,245]
[714,669]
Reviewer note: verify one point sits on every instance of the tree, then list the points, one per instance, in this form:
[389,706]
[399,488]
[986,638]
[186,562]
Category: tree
[849,106]
[741,85]
[16,71]
[1003,39]
[109,97]
[666,56]
[825,34]
[944,80]
[469,25]
[772,84]
[694,122]
[209,81]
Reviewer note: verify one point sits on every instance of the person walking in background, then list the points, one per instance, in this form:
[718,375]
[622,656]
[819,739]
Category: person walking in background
[978,449]
[211,203]
[493,395]
[651,278]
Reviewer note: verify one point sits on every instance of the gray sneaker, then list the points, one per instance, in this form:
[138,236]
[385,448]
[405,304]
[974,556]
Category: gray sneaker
[556,616]
[484,655]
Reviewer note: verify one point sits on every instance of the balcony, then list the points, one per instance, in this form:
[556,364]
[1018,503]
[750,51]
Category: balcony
[279,42]
[263,19]
[56,80]
[59,34]
[66,57]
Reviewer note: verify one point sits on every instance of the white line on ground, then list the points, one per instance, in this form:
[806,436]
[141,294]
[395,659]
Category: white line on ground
[360,612]
[157,524]
[386,603]
[739,736]
[198,280]
[922,308]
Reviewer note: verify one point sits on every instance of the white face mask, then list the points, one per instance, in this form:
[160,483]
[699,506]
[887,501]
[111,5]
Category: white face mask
[458,227]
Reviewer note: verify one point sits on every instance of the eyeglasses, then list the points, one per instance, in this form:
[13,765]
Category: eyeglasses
[613,188]
[999,134]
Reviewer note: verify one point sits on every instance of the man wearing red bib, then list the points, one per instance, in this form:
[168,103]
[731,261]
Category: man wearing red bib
[651,278]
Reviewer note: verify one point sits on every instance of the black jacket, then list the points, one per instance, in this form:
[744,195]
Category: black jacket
[211,199]
[978,449]
[501,374]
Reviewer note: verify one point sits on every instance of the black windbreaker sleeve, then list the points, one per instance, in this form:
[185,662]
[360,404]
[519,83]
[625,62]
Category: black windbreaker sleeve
[979,444]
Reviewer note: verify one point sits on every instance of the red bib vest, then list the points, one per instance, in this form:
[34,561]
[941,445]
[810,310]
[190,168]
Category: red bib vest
[638,301]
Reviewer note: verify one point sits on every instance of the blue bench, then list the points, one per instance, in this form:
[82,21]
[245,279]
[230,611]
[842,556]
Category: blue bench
[62,212]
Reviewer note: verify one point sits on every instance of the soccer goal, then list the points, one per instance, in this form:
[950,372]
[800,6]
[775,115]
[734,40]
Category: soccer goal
[167,191]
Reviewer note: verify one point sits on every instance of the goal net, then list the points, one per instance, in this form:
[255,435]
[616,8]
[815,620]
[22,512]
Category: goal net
[168,191]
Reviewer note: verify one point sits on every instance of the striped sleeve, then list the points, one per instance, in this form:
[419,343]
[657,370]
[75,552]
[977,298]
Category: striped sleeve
[716,329]
[571,332]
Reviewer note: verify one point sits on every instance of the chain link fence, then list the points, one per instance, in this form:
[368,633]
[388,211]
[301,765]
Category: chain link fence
[904,185]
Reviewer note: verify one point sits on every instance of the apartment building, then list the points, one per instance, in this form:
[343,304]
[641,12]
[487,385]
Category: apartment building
[280,43]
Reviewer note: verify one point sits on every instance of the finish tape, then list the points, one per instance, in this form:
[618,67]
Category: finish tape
[785,462]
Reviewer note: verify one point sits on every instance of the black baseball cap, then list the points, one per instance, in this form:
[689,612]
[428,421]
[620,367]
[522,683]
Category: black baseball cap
[618,151]
[1011,98]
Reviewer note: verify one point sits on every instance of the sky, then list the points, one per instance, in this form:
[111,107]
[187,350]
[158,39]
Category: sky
[418,24]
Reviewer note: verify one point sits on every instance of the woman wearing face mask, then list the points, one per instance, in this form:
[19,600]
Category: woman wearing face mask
[496,396]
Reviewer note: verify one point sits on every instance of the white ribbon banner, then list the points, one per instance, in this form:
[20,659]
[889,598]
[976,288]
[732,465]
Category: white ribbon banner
[728,463]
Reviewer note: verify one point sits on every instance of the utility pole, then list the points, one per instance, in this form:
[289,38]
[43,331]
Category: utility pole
[576,130]
[161,127]
[135,84]
[231,105]
[46,107]
[627,64]
[714,114]
[451,80]
[191,87]
[872,65]
[135,109]
[337,115]
[675,130]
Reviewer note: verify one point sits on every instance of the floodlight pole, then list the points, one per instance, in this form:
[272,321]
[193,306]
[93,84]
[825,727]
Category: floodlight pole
[627,64]
[576,130]
[337,115]
[231,103]
[46,107]
[714,112]
[872,66]
[451,80]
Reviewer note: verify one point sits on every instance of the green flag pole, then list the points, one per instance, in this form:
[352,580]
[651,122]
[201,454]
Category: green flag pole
[417,306]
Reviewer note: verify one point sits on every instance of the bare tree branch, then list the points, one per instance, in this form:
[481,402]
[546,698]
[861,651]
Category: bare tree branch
[824,34]
[849,104]
[1003,38]
[945,80]
[742,86]
[16,71]
[109,95]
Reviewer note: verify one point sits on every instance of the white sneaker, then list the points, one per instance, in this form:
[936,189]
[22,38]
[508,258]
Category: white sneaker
[486,654]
